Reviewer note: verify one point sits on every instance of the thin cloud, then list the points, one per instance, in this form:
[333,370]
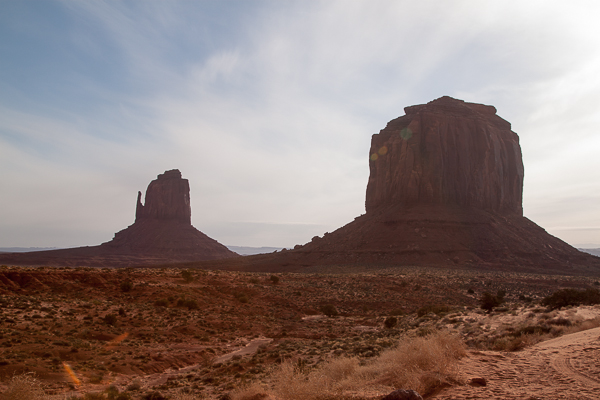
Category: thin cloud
[268,108]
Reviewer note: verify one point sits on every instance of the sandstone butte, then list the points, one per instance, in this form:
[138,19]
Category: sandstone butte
[445,190]
[162,233]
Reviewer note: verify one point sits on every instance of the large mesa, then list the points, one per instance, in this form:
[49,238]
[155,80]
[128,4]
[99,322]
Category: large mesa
[447,152]
[445,190]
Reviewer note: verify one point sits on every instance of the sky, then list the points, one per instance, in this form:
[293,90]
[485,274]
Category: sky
[268,107]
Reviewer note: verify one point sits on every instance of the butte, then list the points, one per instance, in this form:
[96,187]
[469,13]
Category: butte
[162,233]
[445,190]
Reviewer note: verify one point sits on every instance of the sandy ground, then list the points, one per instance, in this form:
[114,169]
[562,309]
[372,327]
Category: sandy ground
[567,367]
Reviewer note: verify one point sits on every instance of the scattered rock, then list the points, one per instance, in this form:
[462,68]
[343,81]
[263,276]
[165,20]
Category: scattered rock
[477,382]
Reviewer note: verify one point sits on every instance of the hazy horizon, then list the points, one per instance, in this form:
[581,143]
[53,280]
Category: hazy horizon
[268,108]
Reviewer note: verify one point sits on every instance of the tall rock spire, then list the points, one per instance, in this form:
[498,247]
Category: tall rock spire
[167,198]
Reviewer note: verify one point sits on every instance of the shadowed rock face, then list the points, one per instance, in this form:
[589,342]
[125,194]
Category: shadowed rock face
[447,152]
[167,198]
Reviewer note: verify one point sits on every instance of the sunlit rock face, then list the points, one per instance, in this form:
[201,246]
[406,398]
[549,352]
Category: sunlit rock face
[447,152]
[167,198]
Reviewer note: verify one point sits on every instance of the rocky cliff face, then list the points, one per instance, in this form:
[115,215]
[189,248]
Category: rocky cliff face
[167,198]
[447,152]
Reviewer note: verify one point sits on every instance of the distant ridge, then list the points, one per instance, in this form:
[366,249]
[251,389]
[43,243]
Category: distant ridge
[594,252]
[24,249]
[248,251]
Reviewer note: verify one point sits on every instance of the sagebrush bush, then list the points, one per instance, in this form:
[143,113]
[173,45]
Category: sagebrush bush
[329,310]
[488,301]
[433,308]
[126,286]
[187,275]
[24,387]
[421,364]
[572,297]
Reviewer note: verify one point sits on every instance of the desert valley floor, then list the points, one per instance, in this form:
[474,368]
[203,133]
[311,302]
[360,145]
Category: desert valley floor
[165,333]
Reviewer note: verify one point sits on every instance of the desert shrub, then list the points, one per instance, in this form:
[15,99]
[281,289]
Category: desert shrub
[274,279]
[329,310]
[154,396]
[135,385]
[525,299]
[187,396]
[24,387]
[433,308]
[422,364]
[531,330]
[241,297]
[187,275]
[488,301]
[511,343]
[110,319]
[249,392]
[572,297]
[96,378]
[94,396]
[161,303]
[126,286]
[191,304]
[390,322]
[112,393]
[559,321]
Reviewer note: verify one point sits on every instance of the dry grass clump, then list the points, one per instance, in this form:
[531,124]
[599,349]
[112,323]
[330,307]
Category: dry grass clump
[532,334]
[24,387]
[421,363]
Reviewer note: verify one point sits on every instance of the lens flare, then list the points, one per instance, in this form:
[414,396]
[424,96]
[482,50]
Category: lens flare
[406,133]
[383,151]
[374,157]
[117,340]
[71,374]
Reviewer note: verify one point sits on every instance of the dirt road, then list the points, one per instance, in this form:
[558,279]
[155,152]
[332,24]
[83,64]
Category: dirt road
[567,367]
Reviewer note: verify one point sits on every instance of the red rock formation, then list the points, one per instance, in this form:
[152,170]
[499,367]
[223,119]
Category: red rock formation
[163,225]
[447,152]
[167,198]
[162,233]
[445,189]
